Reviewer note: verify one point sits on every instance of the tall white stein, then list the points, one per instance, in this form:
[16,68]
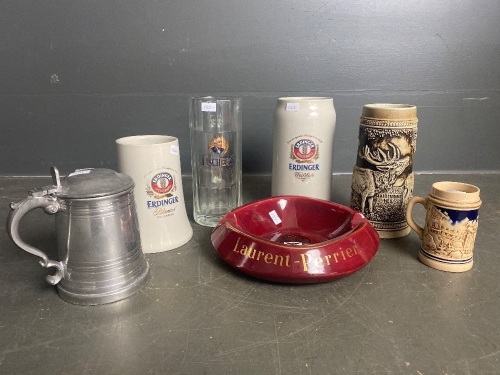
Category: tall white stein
[303,147]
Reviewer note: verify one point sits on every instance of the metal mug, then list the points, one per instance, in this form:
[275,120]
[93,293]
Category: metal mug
[99,247]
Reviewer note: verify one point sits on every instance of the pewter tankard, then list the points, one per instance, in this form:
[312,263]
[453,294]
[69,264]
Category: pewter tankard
[99,247]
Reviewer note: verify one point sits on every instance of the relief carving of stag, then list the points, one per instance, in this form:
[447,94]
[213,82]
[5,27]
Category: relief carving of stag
[389,166]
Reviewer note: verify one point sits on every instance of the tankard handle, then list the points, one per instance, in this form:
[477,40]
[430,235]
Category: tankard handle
[37,199]
[409,218]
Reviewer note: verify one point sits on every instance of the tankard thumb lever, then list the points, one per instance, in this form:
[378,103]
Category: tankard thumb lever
[97,231]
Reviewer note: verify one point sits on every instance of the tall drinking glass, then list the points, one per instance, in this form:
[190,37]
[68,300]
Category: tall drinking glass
[215,125]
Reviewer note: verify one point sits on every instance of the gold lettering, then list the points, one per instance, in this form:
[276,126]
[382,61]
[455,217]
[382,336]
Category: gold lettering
[304,261]
[251,253]
[318,262]
[280,257]
[243,250]
[327,258]
[163,212]
[236,246]
[335,257]
[349,252]
[343,255]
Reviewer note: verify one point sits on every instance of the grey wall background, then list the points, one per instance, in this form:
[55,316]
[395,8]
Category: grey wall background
[76,75]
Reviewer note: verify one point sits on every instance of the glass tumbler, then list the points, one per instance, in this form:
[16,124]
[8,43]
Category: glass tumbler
[215,127]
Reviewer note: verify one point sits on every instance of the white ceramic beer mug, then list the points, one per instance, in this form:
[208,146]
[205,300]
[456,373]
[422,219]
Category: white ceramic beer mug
[303,147]
[153,162]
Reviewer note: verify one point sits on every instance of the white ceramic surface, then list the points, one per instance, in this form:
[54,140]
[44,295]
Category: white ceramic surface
[153,162]
[303,147]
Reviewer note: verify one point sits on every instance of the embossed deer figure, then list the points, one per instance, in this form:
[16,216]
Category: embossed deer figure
[389,166]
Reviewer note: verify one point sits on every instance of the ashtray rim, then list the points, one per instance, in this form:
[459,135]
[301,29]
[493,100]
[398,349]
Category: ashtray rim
[360,242]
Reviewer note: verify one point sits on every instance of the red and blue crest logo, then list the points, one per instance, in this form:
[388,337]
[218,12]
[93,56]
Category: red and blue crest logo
[162,183]
[304,149]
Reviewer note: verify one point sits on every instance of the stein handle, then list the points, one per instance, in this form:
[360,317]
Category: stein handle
[50,205]
[413,201]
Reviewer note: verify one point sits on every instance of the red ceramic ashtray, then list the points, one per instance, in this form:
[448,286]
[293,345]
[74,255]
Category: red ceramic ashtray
[295,239]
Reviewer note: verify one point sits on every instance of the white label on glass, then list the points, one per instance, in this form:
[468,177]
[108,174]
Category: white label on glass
[293,107]
[208,107]
[80,171]
[275,217]
[174,149]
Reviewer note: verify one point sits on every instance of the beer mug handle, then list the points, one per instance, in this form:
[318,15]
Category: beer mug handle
[49,203]
[409,209]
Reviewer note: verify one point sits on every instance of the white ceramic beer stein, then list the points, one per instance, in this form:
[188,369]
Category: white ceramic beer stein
[153,162]
[303,147]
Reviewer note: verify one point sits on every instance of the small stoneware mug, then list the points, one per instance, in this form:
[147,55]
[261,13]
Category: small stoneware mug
[450,225]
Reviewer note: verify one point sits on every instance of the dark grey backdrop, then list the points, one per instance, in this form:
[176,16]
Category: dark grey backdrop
[76,75]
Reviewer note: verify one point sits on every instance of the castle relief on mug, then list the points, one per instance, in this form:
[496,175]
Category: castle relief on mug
[448,237]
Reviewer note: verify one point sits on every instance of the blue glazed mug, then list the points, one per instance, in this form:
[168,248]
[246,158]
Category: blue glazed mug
[450,227]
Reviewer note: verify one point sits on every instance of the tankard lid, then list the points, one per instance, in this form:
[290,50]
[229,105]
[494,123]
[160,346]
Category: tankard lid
[91,183]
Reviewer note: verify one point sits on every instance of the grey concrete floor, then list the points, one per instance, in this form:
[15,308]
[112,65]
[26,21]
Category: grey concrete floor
[198,316]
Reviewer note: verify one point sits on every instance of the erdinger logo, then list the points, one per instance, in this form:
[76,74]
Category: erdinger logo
[304,151]
[162,183]
[219,145]
[161,189]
